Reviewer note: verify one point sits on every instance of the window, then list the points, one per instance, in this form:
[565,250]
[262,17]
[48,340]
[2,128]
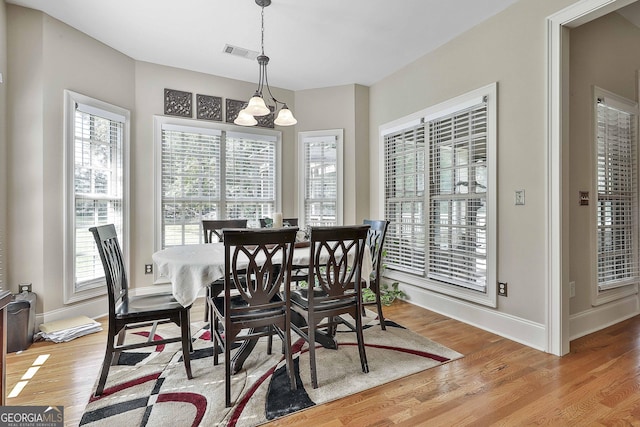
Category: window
[617,189]
[321,163]
[458,197]
[209,171]
[439,181]
[96,135]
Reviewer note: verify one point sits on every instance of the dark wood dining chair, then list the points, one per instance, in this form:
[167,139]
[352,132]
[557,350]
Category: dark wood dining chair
[129,312]
[256,293]
[212,229]
[290,222]
[375,242]
[337,289]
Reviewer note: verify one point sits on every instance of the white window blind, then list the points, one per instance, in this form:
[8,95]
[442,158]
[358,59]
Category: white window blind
[321,169]
[190,182]
[404,159]
[213,173]
[458,198]
[250,175]
[98,185]
[617,209]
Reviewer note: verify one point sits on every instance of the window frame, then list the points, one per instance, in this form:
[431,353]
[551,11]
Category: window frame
[160,121]
[489,296]
[303,138]
[603,296]
[71,293]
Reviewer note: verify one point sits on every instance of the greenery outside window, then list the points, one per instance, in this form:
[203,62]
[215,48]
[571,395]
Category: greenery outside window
[212,171]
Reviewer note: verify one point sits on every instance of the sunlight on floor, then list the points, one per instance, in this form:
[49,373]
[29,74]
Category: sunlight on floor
[28,375]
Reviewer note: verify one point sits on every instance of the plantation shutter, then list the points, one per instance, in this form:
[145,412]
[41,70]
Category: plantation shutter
[617,189]
[458,197]
[190,182]
[98,185]
[321,180]
[250,175]
[404,189]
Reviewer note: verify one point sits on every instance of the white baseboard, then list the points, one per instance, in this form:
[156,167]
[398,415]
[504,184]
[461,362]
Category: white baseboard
[529,333]
[600,317]
[93,308]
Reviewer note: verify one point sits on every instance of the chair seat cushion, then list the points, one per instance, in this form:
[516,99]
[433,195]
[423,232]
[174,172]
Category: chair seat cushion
[300,297]
[237,302]
[148,303]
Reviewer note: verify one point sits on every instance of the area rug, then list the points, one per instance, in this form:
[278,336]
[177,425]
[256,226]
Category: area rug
[150,388]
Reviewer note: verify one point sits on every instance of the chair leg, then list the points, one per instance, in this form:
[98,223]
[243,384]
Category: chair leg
[380,315]
[311,333]
[206,305]
[116,353]
[270,339]
[288,356]
[227,370]
[108,357]
[361,349]
[215,339]
[185,328]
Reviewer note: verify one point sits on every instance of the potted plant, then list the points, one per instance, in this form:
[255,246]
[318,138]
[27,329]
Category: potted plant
[388,294]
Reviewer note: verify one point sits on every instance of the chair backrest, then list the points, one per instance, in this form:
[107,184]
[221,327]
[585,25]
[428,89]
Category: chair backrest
[291,222]
[113,264]
[258,264]
[213,227]
[375,241]
[336,261]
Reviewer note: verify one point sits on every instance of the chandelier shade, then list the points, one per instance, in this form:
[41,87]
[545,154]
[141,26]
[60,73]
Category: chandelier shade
[257,106]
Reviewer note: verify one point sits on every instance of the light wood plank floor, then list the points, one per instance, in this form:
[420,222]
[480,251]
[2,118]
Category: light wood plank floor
[498,382]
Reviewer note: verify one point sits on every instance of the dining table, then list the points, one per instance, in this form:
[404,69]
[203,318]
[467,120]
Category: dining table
[191,268]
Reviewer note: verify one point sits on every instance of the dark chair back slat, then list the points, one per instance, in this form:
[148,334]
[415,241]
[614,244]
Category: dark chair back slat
[213,227]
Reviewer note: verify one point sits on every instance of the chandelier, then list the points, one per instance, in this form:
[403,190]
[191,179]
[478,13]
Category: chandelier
[256,105]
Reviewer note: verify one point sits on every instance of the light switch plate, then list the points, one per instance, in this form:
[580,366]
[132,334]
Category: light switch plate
[519,197]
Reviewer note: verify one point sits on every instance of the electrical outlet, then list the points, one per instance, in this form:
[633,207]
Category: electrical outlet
[25,287]
[502,289]
[572,289]
[148,268]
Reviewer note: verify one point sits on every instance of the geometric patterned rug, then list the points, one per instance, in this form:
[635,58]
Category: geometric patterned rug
[150,387]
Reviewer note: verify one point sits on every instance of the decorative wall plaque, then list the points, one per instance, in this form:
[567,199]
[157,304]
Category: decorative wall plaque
[266,121]
[234,106]
[209,107]
[177,103]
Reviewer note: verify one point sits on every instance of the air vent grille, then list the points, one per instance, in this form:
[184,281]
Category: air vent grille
[241,52]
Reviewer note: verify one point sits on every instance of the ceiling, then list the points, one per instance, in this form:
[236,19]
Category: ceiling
[311,43]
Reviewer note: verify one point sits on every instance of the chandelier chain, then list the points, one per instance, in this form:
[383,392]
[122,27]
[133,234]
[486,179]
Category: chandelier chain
[262,31]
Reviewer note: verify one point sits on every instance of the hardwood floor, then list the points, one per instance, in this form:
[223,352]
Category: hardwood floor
[498,382]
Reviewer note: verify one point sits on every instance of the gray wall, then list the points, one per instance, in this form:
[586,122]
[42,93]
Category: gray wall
[342,107]
[604,53]
[47,57]
[508,48]
[150,81]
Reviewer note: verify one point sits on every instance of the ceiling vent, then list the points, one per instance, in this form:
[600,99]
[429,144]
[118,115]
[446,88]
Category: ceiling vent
[241,52]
